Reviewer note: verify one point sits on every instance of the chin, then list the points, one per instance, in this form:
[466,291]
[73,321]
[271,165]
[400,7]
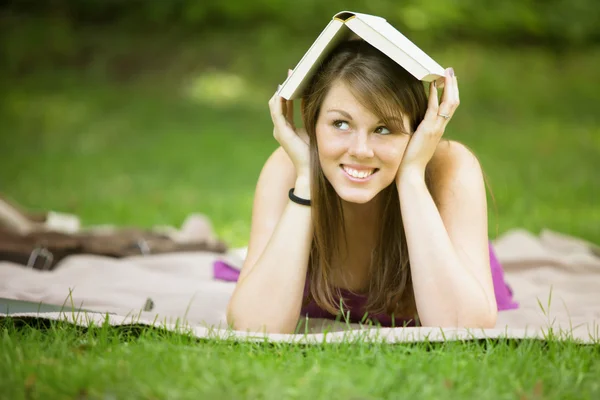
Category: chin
[355,195]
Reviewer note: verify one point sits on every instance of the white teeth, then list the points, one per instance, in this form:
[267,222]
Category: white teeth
[358,174]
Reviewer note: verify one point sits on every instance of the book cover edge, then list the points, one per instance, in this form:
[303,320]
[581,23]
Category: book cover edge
[344,22]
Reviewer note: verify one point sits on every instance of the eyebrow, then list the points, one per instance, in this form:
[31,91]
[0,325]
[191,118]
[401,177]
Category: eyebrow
[345,114]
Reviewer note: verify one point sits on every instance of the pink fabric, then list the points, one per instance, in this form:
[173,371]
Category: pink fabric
[224,272]
[503,292]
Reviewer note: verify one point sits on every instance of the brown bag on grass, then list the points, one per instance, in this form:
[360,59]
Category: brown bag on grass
[26,239]
[43,250]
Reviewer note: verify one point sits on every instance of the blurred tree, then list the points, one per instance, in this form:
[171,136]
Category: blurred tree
[36,33]
[568,22]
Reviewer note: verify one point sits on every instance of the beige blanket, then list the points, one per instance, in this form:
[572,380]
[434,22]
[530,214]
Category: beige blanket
[555,278]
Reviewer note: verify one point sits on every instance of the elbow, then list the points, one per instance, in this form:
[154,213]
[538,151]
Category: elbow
[471,319]
[479,314]
[489,319]
[492,318]
[242,322]
[480,319]
[253,326]
[483,322]
[485,317]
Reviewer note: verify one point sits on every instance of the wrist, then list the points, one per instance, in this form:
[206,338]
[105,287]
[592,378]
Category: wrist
[410,176]
[302,187]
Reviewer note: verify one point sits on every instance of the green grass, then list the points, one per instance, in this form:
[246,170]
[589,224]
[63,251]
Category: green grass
[103,362]
[154,148]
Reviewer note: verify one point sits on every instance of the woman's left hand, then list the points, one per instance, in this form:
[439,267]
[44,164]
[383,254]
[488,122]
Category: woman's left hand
[424,141]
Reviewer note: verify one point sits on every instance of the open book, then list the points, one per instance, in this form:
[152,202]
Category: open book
[374,30]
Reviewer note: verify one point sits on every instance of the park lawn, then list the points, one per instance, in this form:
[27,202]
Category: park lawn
[61,362]
[151,150]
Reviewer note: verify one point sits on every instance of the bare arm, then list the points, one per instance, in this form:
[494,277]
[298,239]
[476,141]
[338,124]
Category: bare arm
[269,292]
[268,295]
[448,245]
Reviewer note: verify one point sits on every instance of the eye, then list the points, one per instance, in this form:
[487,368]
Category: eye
[343,125]
[383,130]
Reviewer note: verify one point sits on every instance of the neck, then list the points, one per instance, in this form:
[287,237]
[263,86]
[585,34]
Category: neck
[362,218]
[361,222]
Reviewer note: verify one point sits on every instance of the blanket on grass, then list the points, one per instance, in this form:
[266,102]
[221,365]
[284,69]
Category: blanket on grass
[555,279]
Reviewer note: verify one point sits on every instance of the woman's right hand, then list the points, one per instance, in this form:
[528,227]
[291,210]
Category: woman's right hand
[294,141]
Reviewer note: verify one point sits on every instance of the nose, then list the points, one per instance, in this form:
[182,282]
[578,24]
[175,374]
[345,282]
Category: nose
[359,146]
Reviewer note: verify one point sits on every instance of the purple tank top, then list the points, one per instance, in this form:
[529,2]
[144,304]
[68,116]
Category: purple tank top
[354,306]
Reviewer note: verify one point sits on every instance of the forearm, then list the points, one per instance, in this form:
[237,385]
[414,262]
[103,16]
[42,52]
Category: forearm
[269,298]
[447,294]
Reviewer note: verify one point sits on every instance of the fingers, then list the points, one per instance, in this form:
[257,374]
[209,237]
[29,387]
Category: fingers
[275,107]
[282,114]
[282,108]
[450,99]
[432,103]
[434,122]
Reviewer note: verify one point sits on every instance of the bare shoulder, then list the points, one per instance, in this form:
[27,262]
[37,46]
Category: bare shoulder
[453,164]
[450,157]
[279,162]
[452,153]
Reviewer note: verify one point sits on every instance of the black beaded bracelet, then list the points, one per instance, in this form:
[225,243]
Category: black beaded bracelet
[297,199]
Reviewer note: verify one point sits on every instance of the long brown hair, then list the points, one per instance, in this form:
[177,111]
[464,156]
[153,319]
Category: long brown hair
[386,89]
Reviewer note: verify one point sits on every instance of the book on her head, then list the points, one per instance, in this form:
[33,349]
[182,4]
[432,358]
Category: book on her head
[374,30]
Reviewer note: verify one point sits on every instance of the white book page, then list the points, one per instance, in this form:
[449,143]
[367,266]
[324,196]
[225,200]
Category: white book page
[383,45]
[397,39]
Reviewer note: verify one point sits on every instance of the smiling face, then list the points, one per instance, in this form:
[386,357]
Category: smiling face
[358,153]
[365,86]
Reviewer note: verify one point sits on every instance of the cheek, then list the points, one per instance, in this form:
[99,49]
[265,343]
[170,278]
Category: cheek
[392,153]
[326,149]
[329,145]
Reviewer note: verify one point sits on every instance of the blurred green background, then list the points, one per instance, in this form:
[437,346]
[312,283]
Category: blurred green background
[141,112]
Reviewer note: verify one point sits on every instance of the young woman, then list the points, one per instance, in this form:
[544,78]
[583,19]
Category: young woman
[366,210]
